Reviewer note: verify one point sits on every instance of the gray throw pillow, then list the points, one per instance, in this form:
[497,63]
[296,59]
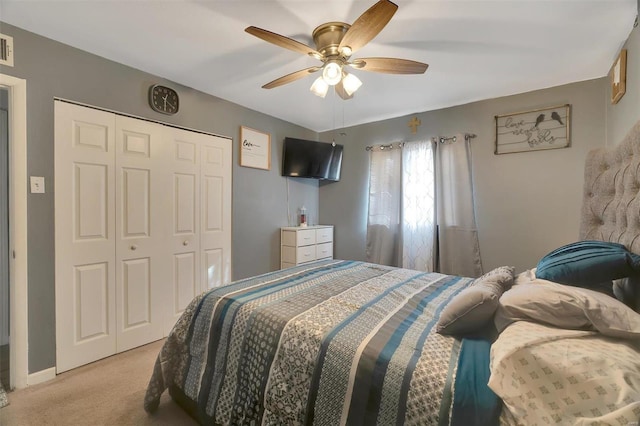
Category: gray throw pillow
[627,290]
[473,307]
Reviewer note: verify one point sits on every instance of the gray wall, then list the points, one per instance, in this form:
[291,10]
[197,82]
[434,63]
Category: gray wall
[259,197]
[623,115]
[527,203]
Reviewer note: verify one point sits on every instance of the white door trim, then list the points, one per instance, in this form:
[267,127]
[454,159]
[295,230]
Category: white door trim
[18,228]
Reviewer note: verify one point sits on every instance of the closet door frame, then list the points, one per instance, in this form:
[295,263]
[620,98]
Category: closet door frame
[18,265]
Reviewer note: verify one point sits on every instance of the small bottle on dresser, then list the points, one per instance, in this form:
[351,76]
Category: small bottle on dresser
[303,217]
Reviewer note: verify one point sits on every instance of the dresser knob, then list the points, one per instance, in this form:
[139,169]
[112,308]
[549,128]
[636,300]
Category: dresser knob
[134,247]
[185,243]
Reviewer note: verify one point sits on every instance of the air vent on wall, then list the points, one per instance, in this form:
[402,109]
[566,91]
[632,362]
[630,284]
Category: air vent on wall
[6,50]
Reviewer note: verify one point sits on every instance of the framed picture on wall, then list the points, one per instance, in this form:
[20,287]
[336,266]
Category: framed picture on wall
[619,77]
[255,148]
[533,130]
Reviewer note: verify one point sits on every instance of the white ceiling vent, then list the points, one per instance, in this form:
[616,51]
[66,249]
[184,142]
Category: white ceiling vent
[6,50]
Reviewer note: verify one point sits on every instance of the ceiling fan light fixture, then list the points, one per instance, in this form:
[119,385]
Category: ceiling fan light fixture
[351,83]
[319,87]
[332,73]
[335,42]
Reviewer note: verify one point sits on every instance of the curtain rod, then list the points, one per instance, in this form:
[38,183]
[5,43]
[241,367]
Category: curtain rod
[445,139]
[387,146]
[441,139]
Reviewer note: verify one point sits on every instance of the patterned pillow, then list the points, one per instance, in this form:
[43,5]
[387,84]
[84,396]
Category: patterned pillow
[473,307]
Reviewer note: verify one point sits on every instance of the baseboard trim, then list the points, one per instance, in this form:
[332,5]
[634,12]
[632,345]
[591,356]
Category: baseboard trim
[41,376]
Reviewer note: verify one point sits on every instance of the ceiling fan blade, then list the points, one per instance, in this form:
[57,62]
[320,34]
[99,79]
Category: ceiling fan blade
[341,92]
[282,41]
[290,77]
[368,25]
[390,65]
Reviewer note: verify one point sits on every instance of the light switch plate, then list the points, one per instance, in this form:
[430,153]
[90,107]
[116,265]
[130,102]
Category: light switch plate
[37,185]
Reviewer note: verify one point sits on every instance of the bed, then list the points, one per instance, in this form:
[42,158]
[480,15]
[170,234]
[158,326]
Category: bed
[347,342]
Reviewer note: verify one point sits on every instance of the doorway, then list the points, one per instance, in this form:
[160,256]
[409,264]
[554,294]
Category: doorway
[16,89]
[4,240]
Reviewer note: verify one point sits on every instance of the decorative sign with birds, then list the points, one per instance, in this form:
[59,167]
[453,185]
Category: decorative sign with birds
[545,128]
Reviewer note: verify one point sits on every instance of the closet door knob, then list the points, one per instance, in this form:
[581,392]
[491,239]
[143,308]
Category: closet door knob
[185,243]
[133,247]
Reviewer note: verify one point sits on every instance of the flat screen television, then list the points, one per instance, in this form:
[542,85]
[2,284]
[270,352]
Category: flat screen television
[310,159]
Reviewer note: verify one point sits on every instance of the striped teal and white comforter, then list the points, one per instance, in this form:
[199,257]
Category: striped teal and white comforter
[333,342]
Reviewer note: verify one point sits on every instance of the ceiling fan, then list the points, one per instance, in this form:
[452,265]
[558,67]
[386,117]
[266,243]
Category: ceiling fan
[335,43]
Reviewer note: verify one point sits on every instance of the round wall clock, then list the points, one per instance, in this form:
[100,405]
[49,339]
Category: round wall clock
[163,99]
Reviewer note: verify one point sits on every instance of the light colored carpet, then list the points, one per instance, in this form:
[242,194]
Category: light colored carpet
[3,397]
[107,392]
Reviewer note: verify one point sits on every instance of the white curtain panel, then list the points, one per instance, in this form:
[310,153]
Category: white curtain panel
[384,206]
[459,249]
[418,206]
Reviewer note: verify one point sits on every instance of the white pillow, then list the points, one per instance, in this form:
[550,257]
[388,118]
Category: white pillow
[568,307]
[525,277]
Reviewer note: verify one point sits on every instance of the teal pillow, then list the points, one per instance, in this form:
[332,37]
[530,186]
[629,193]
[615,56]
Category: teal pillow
[588,264]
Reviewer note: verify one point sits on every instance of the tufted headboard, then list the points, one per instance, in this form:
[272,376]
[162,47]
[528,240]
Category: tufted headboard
[611,204]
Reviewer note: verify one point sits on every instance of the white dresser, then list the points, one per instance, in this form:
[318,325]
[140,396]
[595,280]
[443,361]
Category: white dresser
[301,245]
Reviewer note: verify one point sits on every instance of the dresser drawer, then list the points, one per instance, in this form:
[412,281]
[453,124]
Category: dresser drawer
[306,254]
[324,235]
[306,237]
[324,251]
[297,255]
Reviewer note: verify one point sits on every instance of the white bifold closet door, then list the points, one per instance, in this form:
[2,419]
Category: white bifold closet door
[143,224]
[140,185]
[85,229]
[200,223]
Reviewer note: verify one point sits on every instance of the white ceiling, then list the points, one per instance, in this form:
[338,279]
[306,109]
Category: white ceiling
[475,49]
